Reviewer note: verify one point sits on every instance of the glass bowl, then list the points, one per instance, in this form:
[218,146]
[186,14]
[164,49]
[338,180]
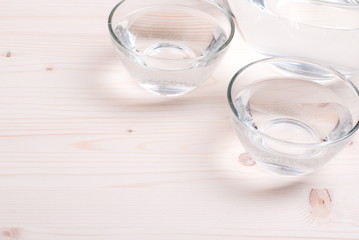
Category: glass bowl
[326,31]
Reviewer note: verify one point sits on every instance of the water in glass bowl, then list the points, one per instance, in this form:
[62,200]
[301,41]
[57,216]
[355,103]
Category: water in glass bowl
[170,46]
[326,31]
[294,111]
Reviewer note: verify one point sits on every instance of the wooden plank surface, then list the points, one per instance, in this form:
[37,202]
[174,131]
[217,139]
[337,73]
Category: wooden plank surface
[85,153]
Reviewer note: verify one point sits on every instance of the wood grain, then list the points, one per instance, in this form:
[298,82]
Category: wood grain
[85,153]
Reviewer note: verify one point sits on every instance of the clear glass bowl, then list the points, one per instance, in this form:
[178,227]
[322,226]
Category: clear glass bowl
[326,31]
[170,46]
[292,120]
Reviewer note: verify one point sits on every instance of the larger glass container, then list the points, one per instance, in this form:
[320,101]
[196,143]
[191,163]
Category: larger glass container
[326,31]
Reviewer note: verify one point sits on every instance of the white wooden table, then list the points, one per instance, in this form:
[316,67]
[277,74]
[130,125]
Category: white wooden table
[85,153]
